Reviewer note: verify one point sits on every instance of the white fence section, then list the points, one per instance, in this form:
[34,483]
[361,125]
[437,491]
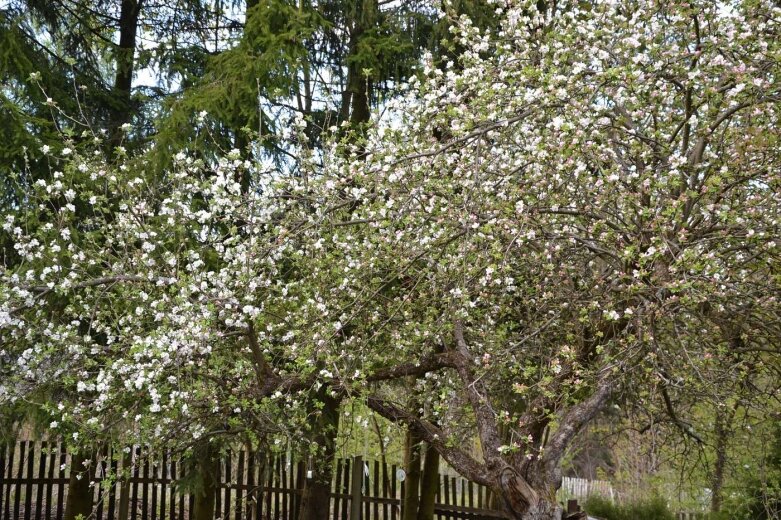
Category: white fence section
[582,488]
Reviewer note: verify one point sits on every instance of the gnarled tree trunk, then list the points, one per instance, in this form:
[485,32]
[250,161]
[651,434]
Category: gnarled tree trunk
[532,498]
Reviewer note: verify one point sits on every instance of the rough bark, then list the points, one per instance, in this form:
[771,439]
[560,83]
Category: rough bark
[79,501]
[429,484]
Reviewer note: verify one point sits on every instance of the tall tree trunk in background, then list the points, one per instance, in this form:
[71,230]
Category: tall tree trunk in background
[125,63]
[356,96]
[717,480]
[723,432]
[412,482]
[208,465]
[316,496]
[429,484]
[79,491]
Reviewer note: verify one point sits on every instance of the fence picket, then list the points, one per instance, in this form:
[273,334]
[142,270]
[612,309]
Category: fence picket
[172,504]
[61,481]
[99,470]
[155,466]
[19,476]
[112,491]
[228,478]
[446,494]
[182,496]
[385,490]
[39,486]
[10,466]
[346,477]
[251,493]
[240,493]
[218,491]
[145,489]
[394,512]
[53,449]
[3,452]
[337,489]
[163,484]
[134,498]
[376,484]
[283,476]
[28,492]
[267,478]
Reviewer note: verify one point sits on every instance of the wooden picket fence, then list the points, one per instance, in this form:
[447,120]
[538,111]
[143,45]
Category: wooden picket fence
[583,488]
[34,478]
[682,515]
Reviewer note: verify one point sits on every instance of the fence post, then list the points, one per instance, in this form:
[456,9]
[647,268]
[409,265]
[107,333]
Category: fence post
[2,473]
[356,484]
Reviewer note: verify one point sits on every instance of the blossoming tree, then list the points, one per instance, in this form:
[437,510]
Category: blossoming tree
[523,234]
[540,219]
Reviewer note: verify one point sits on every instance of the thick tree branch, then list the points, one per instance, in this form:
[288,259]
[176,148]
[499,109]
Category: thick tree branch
[457,458]
[427,364]
[575,418]
[477,394]
[264,374]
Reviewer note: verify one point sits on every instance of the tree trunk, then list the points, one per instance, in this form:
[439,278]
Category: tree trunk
[356,97]
[717,481]
[412,482]
[79,491]
[528,499]
[429,485]
[544,510]
[209,467]
[125,63]
[316,496]
[124,486]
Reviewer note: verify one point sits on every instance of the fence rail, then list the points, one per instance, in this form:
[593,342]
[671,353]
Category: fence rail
[35,476]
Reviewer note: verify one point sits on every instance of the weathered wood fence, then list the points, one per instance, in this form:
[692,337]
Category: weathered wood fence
[34,478]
